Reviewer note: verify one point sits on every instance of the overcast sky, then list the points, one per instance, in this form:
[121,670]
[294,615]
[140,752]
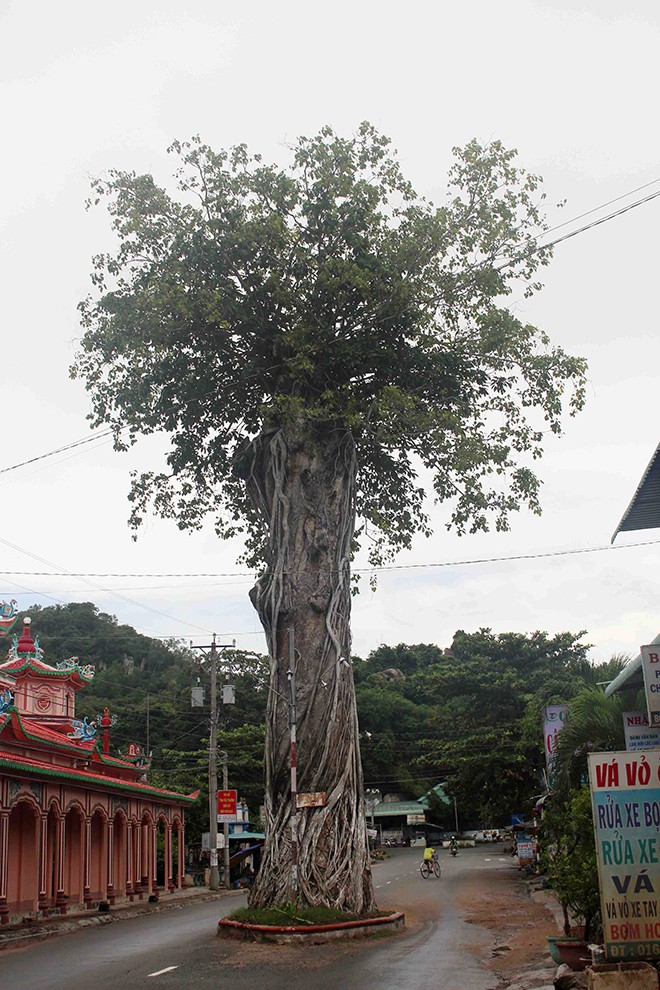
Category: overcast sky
[573,86]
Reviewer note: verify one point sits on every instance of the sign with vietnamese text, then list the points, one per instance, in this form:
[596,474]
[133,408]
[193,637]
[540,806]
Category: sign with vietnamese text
[651,671]
[639,734]
[553,723]
[625,794]
[227,806]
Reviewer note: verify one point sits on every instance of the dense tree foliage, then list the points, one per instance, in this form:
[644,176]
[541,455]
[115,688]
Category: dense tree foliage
[477,722]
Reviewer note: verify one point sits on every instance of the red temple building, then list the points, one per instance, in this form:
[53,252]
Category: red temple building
[78,827]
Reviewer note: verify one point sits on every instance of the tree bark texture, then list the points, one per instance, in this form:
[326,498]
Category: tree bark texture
[303,484]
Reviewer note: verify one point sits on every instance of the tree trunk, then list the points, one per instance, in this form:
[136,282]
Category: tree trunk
[303,484]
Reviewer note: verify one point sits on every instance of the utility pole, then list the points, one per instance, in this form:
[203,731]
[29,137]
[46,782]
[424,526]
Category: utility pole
[291,675]
[214,879]
[456,814]
[225,826]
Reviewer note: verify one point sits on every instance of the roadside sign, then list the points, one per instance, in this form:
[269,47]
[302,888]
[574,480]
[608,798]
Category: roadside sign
[553,723]
[625,795]
[313,799]
[639,734]
[227,806]
[651,671]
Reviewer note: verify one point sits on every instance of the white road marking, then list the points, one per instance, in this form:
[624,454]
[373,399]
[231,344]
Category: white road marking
[377,886]
[487,860]
[160,972]
[389,881]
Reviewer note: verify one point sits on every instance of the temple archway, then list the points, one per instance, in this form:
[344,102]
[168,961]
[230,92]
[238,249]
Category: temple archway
[23,859]
[98,857]
[73,856]
[119,854]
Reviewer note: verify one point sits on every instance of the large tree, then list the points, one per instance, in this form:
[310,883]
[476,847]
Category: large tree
[310,338]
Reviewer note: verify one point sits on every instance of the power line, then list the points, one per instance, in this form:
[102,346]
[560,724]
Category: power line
[576,551]
[59,450]
[597,209]
[115,594]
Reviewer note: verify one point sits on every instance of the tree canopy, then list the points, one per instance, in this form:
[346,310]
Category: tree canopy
[329,290]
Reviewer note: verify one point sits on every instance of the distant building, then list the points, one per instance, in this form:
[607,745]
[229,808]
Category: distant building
[78,826]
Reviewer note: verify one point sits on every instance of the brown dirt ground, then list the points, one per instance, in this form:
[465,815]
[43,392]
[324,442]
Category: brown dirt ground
[517,924]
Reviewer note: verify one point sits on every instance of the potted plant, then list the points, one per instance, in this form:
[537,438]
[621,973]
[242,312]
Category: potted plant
[569,855]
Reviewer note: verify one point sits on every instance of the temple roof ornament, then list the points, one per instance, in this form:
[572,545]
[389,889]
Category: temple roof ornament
[8,616]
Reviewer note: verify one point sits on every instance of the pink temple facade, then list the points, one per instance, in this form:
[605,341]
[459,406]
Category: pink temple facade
[78,827]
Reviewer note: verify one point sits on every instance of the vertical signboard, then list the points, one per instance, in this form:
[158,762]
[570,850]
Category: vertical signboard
[651,671]
[639,734]
[625,794]
[227,806]
[553,723]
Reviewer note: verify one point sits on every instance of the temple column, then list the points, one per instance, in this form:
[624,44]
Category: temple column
[111,861]
[154,857]
[42,903]
[87,862]
[145,855]
[60,836]
[4,866]
[137,852]
[168,858]
[129,860]
[181,866]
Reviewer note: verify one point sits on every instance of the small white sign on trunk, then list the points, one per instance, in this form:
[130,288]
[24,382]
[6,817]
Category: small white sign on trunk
[313,799]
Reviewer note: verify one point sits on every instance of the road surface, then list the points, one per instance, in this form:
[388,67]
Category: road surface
[180,949]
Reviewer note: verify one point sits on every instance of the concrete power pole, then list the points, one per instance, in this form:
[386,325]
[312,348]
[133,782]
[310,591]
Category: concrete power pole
[225,827]
[214,879]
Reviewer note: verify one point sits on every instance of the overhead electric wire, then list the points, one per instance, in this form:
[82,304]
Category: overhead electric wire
[130,601]
[575,551]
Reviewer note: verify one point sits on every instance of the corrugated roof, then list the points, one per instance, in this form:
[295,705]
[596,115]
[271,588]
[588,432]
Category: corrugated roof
[631,677]
[644,509]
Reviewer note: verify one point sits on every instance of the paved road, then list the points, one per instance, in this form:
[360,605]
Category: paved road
[139,952]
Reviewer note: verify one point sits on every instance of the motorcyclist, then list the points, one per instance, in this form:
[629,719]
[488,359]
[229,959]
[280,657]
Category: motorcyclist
[453,845]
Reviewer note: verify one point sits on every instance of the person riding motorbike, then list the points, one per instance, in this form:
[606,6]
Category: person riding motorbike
[453,845]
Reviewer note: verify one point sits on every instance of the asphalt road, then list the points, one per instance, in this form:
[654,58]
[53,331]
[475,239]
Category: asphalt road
[179,948]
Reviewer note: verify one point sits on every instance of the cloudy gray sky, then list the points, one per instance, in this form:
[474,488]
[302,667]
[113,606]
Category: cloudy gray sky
[573,86]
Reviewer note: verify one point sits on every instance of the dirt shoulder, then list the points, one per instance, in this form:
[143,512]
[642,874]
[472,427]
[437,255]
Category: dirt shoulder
[500,902]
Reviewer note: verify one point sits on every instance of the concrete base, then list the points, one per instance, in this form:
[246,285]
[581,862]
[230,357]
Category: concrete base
[312,934]
[622,976]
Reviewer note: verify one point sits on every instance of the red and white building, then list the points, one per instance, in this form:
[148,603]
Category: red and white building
[78,827]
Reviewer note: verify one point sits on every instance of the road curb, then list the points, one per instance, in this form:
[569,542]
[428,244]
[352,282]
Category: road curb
[312,934]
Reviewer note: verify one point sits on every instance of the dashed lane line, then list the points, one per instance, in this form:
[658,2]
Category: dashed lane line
[160,972]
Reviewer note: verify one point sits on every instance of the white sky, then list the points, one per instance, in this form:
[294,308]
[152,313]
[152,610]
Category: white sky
[573,86]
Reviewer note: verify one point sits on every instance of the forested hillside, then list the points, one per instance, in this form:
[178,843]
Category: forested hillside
[469,715]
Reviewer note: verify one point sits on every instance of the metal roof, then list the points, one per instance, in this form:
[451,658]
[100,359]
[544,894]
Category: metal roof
[631,677]
[644,509]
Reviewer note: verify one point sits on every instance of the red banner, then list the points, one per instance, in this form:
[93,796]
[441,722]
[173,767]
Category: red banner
[227,805]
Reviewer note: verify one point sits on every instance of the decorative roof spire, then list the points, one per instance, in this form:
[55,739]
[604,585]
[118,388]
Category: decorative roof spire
[26,643]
